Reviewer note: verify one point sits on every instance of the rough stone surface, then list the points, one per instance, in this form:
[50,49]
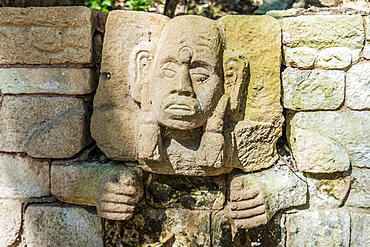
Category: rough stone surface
[360,229]
[318,228]
[327,193]
[46,80]
[62,226]
[131,120]
[334,58]
[359,195]
[79,182]
[313,90]
[347,131]
[43,127]
[316,153]
[33,3]
[46,35]
[358,86]
[150,226]
[164,191]
[324,31]
[23,177]
[300,57]
[10,218]
[366,51]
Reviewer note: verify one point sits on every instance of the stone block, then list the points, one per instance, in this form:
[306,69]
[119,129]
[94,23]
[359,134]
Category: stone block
[316,153]
[318,228]
[126,127]
[360,229]
[149,227]
[23,177]
[46,35]
[300,57]
[366,51]
[347,131]
[358,86]
[359,195]
[164,191]
[313,89]
[334,58]
[47,225]
[46,80]
[11,221]
[327,193]
[43,127]
[324,31]
[79,182]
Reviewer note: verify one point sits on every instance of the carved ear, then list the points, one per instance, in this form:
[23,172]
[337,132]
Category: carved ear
[139,72]
[234,75]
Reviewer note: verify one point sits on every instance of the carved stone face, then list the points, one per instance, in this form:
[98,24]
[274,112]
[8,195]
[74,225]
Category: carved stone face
[186,81]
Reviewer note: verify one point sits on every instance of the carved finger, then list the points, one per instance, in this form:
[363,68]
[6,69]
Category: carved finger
[237,183]
[111,197]
[251,222]
[244,194]
[251,203]
[248,213]
[115,207]
[115,216]
[119,189]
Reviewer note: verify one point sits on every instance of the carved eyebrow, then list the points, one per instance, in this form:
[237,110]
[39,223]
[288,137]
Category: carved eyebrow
[204,64]
[169,60]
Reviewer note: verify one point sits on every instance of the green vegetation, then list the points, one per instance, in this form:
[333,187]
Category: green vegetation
[101,5]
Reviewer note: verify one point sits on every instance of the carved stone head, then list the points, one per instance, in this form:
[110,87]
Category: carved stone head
[186,79]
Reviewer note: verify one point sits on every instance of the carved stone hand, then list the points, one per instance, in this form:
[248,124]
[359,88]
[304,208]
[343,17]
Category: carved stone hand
[248,207]
[116,200]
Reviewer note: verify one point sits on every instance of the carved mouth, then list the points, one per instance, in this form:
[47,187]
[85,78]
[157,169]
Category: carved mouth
[179,109]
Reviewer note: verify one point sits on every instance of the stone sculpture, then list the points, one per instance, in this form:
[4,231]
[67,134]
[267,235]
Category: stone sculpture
[179,110]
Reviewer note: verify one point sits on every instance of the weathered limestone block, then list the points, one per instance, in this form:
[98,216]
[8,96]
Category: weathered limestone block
[347,131]
[313,89]
[366,51]
[164,191]
[43,127]
[47,225]
[46,35]
[359,195]
[324,31]
[46,80]
[300,57]
[327,193]
[358,86]
[23,177]
[11,221]
[33,3]
[141,114]
[318,228]
[334,58]
[256,143]
[79,182]
[175,227]
[360,229]
[316,153]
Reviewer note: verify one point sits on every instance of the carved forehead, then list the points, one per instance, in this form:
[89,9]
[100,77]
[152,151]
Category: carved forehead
[191,29]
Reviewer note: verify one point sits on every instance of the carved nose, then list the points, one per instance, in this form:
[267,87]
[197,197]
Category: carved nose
[184,83]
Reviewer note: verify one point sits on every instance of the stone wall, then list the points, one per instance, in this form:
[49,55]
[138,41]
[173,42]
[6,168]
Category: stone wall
[51,170]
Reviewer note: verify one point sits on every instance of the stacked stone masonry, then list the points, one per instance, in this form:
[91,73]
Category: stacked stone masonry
[56,180]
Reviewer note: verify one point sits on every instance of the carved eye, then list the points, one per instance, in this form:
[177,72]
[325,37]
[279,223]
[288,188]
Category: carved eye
[169,73]
[169,69]
[199,74]
[200,78]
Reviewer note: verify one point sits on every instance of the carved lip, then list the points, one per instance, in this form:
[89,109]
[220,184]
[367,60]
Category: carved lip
[179,109]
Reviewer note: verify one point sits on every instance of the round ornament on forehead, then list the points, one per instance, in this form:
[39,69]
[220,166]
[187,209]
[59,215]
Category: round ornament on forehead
[185,55]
